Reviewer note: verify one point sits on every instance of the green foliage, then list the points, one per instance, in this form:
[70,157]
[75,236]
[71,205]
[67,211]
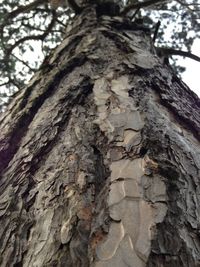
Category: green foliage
[27,34]
[29,29]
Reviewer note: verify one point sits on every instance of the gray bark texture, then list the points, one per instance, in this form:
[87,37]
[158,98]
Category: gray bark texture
[100,156]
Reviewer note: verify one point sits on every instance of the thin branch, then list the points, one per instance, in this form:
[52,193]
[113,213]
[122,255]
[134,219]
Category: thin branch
[9,82]
[135,13]
[5,83]
[32,27]
[157,26]
[22,40]
[18,11]
[60,22]
[170,52]
[140,5]
[24,9]
[34,37]
[18,85]
[185,5]
[23,62]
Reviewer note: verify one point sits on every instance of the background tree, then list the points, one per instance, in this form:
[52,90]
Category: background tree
[99,154]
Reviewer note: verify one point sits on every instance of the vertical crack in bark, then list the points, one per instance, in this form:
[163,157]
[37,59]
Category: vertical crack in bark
[77,96]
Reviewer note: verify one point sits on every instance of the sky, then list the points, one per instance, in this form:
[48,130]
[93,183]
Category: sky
[192,74]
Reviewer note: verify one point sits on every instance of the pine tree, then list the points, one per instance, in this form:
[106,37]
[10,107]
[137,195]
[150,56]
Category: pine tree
[99,154]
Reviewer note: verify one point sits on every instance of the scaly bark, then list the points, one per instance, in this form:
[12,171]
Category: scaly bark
[99,156]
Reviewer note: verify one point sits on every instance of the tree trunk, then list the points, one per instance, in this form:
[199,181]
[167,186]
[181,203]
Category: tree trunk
[100,156]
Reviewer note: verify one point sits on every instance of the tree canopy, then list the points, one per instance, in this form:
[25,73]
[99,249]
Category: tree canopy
[34,27]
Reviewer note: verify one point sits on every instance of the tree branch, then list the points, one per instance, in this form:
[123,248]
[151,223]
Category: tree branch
[157,26]
[140,5]
[163,51]
[23,9]
[23,62]
[135,13]
[34,37]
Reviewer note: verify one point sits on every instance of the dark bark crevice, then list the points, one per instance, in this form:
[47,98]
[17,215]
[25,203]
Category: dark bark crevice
[26,116]
[187,114]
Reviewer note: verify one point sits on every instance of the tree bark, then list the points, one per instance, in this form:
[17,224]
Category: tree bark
[99,156]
